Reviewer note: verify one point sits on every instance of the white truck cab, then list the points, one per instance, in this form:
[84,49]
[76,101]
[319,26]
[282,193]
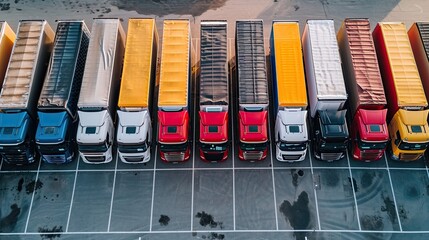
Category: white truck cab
[134,136]
[95,136]
[291,135]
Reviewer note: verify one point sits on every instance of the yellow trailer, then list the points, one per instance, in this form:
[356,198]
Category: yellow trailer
[7,38]
[134,132]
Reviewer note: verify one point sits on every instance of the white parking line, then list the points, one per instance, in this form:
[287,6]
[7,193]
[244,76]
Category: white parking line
[292,166]
[231,114]
[353,190]
[315,192]
[272,170]
[72,196]
[153,188]
[113,193]
[393,194]
[194,139]
[32,196]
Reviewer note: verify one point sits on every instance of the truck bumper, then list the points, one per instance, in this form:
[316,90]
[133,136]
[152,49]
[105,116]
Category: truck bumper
[58,159]
[97,158]
[213,156]
[134,158]
[290,156]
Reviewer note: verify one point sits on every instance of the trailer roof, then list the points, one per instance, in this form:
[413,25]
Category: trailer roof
[252,75]
[364,60]
[289,64]
[424,35]
[23,61]
[214,63]
[58,83]
[326,58]
[136,75]
[174,77]
[408,84]
[100,60]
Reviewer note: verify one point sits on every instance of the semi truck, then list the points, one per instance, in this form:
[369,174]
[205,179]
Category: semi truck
[7,38]
[214,91]
[21,90]
[57,105]
[406,100]
[252,87]
[367,102]
[98,97]
[289,92]
[134,131]
[326,90]
[174,96]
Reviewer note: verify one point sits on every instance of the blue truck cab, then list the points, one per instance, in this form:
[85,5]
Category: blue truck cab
[21,89]
[57,105]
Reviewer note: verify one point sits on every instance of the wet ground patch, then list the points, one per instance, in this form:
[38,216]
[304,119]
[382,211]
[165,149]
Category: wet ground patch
[33,185]
[7,223]
[164,220]
[208,220]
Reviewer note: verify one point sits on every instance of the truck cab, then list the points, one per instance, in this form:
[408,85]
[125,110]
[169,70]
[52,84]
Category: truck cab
[330,135]
[369,134]
[95,136]
[253,133]
[134,136]
[173,129]
[16,138]
[214,134]
[55,137]
[291,129]
[409,134]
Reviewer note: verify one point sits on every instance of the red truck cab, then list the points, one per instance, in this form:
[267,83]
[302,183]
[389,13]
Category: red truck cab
[213,136]
[369,134]
[173,135]
[253,135]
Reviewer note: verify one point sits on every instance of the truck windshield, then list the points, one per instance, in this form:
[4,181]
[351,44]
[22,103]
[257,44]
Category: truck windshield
[173,147]
[53,149]
[292,146]
[412,146]
[254,146]
[93,148]
[132,148]
[371,145]
[214,147]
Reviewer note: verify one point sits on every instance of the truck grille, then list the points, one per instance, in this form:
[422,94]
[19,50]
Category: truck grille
[409,156]
[331,156]
[54,158]
[134,159]
[213,156]
[291,157]
[369,156]
[16,158]
[174,157]
[252,155]
[95,158]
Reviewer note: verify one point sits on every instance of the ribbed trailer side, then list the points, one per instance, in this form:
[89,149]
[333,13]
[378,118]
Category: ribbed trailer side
[138,71]
[289,87]
[174,86]
[214,87]
[251,68]
[64,76]
[26,70]
[360,64]
[400,75]
[100,84]
[325,81]
[7,38]
[419,39]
